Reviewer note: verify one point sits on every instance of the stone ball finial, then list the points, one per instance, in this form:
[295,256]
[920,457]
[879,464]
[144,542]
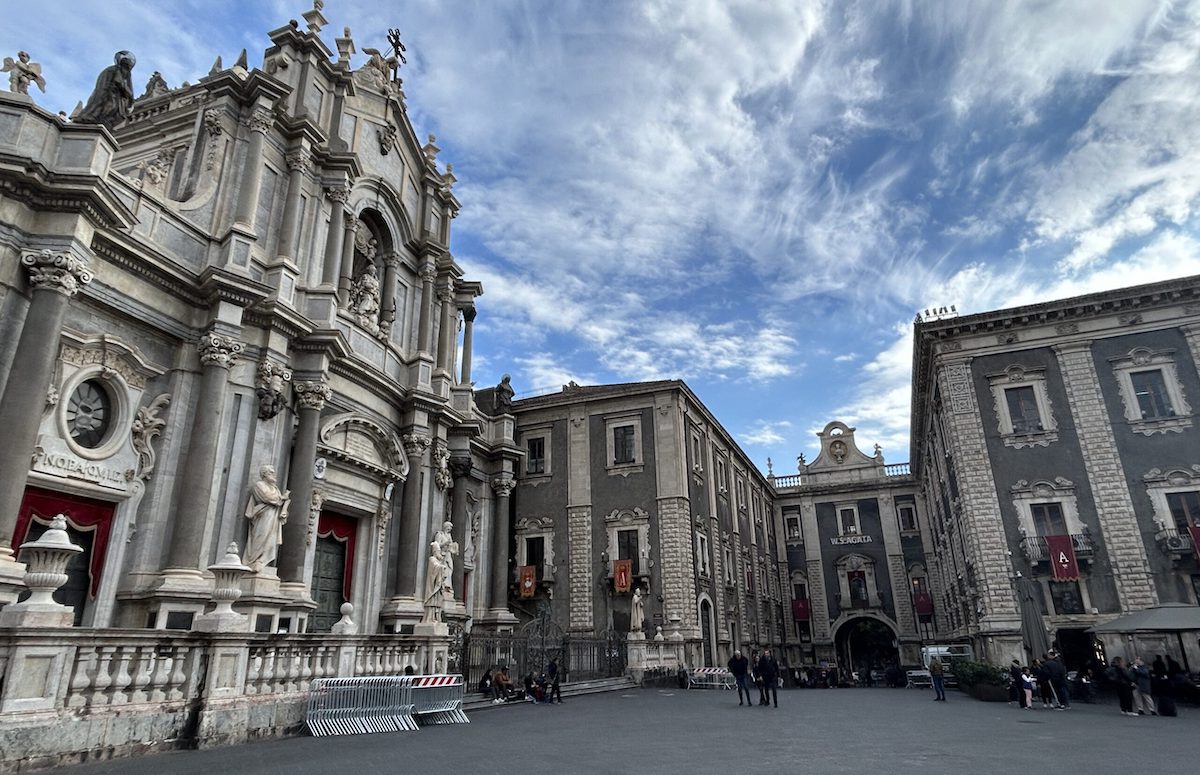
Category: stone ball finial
[347,609]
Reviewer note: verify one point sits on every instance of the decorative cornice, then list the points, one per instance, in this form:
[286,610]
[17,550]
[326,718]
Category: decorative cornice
[312,394]
[56,271]
[218,350]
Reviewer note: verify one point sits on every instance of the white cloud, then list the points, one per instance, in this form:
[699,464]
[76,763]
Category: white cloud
[765,433]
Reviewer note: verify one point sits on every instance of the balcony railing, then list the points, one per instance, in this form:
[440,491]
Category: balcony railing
[1036,550]
[898,469]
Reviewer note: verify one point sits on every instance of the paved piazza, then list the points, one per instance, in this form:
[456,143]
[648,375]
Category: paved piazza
[667,731]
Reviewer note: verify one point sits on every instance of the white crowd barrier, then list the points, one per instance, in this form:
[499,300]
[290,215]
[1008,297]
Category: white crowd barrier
[357,706]
[711,678]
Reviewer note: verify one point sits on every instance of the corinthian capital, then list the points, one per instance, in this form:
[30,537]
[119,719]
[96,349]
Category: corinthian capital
[260,121]
[339,194]
[427,274]
[60,272]
[460,466]
[218,350]
[415,444]
[312,394]
[298,159]
[503,485]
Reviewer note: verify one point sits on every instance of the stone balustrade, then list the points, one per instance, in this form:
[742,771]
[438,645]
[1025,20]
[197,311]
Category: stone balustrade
[73,693]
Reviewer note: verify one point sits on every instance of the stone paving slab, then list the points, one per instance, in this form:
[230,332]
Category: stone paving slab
[694,732]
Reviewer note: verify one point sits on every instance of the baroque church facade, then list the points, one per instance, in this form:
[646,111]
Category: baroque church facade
[249,272]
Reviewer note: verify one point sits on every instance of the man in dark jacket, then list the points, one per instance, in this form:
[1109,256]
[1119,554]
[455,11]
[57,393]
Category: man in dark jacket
[739,668]
[1056,671]
[768,671]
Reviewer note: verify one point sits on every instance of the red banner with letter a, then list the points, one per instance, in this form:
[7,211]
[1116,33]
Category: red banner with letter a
[528,580]
[923,603]
[800,609]
[1195,531]
[622,575]
[1062,558]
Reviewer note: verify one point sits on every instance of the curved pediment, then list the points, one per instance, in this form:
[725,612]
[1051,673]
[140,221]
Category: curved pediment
[365,444]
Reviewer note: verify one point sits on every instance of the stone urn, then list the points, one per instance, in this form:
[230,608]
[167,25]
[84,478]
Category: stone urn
[227,576]
[46,565]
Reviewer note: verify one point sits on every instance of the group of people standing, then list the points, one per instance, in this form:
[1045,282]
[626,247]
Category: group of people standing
[763,670]
[1045,678]
[1146,689]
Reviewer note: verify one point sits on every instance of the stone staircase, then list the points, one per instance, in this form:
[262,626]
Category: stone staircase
[475,701]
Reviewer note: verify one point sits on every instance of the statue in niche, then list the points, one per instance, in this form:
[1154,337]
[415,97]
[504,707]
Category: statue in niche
[439,574]
[22,72]
[267,512]
[112,99]
[364,300]
[504,394]
[447,547]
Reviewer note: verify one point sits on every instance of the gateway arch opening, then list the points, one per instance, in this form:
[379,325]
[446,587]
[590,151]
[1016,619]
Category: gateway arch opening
[866,646]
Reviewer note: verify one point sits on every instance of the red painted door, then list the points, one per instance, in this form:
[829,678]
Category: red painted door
[89,523]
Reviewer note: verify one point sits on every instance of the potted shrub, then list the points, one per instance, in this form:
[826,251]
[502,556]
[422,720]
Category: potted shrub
[982,681]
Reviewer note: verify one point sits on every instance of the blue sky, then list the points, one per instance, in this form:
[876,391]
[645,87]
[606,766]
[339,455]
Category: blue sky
[755,197]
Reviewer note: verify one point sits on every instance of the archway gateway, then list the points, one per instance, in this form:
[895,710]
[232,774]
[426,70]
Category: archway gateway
[864,644]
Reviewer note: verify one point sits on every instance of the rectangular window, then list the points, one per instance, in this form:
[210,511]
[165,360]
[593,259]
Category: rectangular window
[1048,519]
[627,548]
[722,482]
[728,566]
[799,591]
[535,554]
[848,521]
[1023,409]
[1151,391]
[702,553]
[803,630]
[1066,597]
[908,517]
[535,458]
[697,453]
[623,445]
[1185,508]
[793,528]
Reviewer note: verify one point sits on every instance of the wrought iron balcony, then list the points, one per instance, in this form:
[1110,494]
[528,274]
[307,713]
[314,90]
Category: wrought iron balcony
[1036,550]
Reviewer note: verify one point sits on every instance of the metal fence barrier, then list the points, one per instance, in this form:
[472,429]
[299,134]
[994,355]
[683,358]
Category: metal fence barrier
[438,699]
[358,706]
[711,678]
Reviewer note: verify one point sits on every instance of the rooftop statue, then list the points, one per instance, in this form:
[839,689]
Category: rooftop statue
[22,72]
[112,98]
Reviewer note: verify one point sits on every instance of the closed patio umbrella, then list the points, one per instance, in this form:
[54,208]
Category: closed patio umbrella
[1033,630]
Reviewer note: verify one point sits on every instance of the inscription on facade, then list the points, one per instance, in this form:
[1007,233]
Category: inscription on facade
[842,540]
[68,465]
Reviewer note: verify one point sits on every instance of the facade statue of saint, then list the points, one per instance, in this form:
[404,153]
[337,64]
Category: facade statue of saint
[436,574]
[364,300]
[22,72]
[267,511]
[447,547]
[504,394]
[112,99]
[637,612]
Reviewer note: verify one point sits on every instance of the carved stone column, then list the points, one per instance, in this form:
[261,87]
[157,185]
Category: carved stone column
[339,195]
[298,161]
[260,122]
[503,487]
[468,341]
[387,302]
[445,355]
[460,470]
[409,551]
[346,278]
[55,278]
[310,400]
[425,327]
[218,353]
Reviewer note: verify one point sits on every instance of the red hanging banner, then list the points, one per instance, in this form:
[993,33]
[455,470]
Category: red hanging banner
[1195,532]
[528,580]
[1062,558]
[923,603]
[800,611]
[622,575]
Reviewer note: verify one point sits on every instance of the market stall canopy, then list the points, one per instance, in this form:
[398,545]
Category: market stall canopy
[1168,617]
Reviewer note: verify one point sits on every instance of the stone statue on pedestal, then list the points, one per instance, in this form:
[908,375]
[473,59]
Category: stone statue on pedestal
[267,511]
[504,394]
[112,98]
[637,612]
[436,576]
[22,72]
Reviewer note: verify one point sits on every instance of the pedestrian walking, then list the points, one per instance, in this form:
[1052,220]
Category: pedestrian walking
[1123,680]
[1043,683]
[1056,672]
[739,668]
[768,671]
[937,672]
[553,679]
[1143,688]
[1164,693]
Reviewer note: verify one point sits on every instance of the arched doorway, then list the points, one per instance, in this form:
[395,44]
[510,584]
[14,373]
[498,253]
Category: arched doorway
[864,644]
